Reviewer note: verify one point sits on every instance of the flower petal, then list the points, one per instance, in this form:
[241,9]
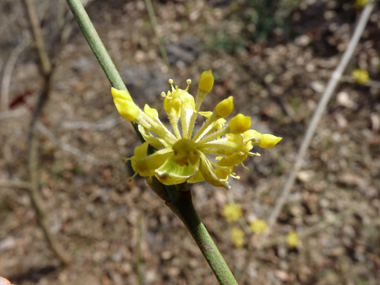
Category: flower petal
[171,173]
[152,140]
[207,170]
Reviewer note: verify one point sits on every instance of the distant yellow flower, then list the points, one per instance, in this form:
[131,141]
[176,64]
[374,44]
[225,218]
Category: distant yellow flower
[360,75]
[292,239]
[360,3]
[258,226]
[182,157]
[231,212]
[237,237]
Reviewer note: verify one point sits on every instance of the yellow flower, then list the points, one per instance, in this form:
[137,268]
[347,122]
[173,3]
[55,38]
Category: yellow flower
[360,3]
[258,226]
[237,237]
[182,155]
[231,212]
[360,75]
[292,239]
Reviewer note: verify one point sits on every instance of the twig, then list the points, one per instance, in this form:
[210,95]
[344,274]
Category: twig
[103,124]
[318,226]
[139,251]
[12,113]
[334,80]
[34,192]
[161,46]
[369,83]
[37,33]
[7,75]
[39,206]
[67,147]
[14,184]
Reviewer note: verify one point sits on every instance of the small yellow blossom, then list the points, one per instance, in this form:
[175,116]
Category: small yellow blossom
[360,75]
[292,239]
[258,226]
[360,3]
[182,155]
[232,212]
[237,237]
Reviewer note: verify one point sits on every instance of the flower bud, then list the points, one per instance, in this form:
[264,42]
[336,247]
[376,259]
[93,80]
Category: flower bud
[206,81]
[225,108]
[268,140]
[239,124]
[151,112]
[127,109]
[122,94]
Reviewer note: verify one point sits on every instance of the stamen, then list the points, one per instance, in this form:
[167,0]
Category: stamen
[130,179]
[219,133]
[188,81]
[202,130]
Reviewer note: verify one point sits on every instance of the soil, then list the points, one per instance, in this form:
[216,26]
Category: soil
[121,233]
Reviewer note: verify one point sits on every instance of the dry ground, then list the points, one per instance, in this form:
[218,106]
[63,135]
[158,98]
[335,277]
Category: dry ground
[103,221]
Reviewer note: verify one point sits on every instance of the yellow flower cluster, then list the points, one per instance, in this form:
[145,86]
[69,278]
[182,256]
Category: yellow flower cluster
[258,226]
[232,212]
[360,75]
[182,157]
[237,237]
[292,239]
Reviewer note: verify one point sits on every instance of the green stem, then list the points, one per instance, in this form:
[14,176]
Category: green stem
[98,49]
[182,205]
[96,44]
[177,198]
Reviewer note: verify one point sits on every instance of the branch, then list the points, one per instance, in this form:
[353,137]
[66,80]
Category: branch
[7,75]
[334,80]
[101,125]
[67,147]
[318,226]
[180,202]
[33,190]
[37,33]
[39,206]
[14,184]
[12,114]
[161,46]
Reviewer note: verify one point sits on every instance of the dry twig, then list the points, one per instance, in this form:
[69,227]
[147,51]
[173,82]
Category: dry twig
[37,33]
[34,192]
[67,147]
[101,125]
[161,46]
[334,80]
[318,226]
[14,184]
[13,113]
[7,75]
[39,206]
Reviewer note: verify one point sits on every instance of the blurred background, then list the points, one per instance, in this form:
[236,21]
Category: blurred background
[275,58]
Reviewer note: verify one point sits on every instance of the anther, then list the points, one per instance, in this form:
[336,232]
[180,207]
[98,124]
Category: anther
[171,81]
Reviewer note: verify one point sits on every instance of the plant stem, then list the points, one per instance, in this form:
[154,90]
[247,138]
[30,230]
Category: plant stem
[96,44]
[182,205]
[98,49]
[177,197]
